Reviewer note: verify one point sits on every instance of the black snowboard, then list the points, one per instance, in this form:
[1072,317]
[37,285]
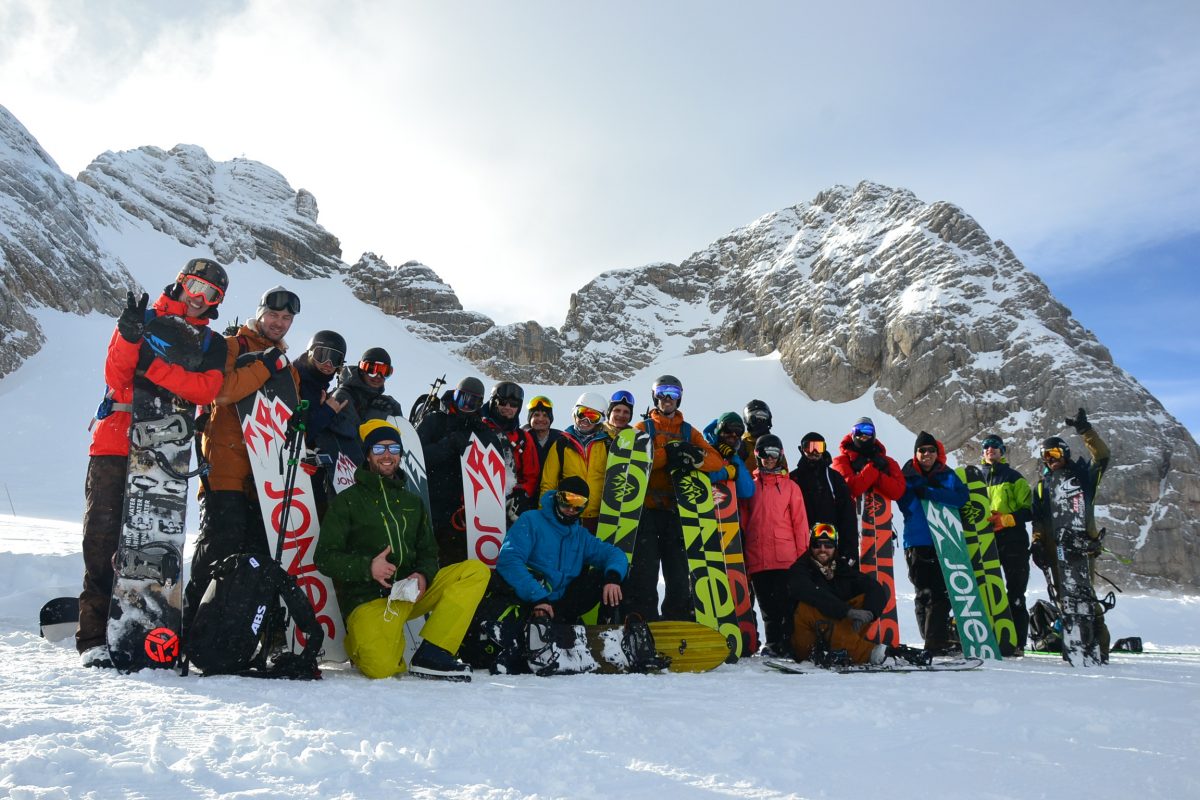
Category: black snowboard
[59,618]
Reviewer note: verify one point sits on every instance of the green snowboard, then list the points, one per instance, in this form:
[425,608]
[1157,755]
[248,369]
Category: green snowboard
[974,629]
[985,558]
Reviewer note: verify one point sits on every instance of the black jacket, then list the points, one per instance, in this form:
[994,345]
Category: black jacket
[444,436]
[827,499]
[806,584]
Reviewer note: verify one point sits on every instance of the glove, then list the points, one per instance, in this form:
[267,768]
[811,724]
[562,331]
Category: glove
[859,617]
[1080,422]
[726,450]
[516,504]
[1092,547]
[1038,554]
[683,456]
[881,463]
[459,441]
[275,360]
[132,322]
[1001,521]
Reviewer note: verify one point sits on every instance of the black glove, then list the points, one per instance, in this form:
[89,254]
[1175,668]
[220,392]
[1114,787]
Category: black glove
[1080,422]
[859,617]
[1038,554]
[683,456]
[459,441]
[275,360]
[611,576]
[880,462]
[132,322]
[1092,547]
[726,450]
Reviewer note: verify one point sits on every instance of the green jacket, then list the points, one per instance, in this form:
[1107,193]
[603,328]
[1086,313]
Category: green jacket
[1008,493]
[363,520]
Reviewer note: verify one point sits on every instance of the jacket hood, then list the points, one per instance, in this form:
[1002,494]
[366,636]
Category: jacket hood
[921,442]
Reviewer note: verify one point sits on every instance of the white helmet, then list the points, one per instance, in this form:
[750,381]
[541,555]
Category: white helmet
[592,400]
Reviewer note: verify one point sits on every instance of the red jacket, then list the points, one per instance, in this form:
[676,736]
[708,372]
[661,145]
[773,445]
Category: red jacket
[862,476]
[525,457]
[110,437]
[774,523]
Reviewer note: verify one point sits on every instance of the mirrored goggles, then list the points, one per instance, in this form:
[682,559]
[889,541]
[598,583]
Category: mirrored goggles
[815,446]
[823,534]
[467,401]
[668,393]
[590,414]
[570,500]
[540,403]
[622,396]
[376,369]
[195,286]
[1052,453]
[864,430]
[391,449]
[769,452]
[282,300]
[327,355]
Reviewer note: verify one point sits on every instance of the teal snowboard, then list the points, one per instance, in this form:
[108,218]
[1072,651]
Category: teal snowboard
[974,626]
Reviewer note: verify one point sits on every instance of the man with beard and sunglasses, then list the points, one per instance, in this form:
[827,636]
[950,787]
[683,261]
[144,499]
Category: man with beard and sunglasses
[195,294]
[445,434]
[230,519]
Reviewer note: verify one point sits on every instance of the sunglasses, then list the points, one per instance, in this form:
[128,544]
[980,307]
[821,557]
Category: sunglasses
[467,401]
[391,449]
[927,450]
[570,500]
[993,444]
[622,396]
[815,447]
[376,369]
[770,452]
[508,402]
[732,431]
[589,414]
[668,393]
[195,286]
[327,355]
[1052,454]
[282,300]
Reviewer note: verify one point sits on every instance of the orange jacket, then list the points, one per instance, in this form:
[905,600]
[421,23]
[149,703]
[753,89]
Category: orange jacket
[229,465]
[661,492]
[110,437]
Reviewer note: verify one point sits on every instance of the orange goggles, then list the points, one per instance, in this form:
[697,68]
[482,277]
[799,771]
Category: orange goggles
[570,500]
[1052,453]
[590,414]
[815,446]
[824,533]
[195,286]
[376,369]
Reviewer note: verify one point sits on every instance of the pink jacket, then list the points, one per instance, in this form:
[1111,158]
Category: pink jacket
[774,523]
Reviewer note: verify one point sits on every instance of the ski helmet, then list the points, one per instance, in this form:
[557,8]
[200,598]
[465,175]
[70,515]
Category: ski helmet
[507,390]
[667,386]
[621,397]
[1056,442]
[376,361]
[279,299]
[757,417]
[212,284]
[327,347]
[590,401]
[768,445]
[541,403]
[468,396]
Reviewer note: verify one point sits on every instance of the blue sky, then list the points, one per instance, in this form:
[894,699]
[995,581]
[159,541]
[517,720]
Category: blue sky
[521,148]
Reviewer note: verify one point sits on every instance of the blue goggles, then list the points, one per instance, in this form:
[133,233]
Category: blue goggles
[993,442]
[622,396]
[467,401]
[864,430]
[669,392]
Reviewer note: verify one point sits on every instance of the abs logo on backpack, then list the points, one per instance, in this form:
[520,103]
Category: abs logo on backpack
[258,618]
[162,645]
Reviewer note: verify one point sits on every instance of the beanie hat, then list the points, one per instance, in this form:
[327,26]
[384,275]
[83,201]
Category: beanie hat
[992,440]
[924,440]
[375,431]
[811,436]
[863,425]
[730,419]
[543,403]
[575,485]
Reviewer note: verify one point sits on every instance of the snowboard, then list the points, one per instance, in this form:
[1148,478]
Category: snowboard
[146,610]
[59,618]
[712,596]
[877,548]
[692,647]
[343,472]
[265,416]
[626,477]
[416,480]
[725,500]
[951,665]
[985,559]
[485,486]
[974,628]
[1076,598]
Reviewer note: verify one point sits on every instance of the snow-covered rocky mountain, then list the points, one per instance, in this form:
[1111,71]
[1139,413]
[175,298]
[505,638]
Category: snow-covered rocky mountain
[864,290]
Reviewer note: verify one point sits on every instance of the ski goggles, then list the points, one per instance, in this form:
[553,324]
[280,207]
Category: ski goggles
[583,413]
[390,449]
[540,403]
[376,369]
[760,415]
[282,300]
[992,443]
[327,355]
[823,534]
[570,500]
[815,446]
[732,430]
[467,401]
[864,430]
[195,286]
[768,452]
[1052,453]
[668,392]
[622,396]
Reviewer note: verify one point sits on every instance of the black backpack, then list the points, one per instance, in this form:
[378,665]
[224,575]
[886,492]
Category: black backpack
[231,634]
[1045,629]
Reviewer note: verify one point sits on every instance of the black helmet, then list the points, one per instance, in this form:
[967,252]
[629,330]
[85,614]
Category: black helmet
[768,444]
[376,355]
[209,270]
[507,390]
[327,347]
[468,396]
[667,385]
[757,417]
[1058,442]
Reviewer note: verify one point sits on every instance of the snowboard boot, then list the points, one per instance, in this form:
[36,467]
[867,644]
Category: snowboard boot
[909,655]
[637,643]
[96,657]
[431,661]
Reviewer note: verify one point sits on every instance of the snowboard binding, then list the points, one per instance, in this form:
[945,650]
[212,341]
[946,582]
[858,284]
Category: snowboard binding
[637,644]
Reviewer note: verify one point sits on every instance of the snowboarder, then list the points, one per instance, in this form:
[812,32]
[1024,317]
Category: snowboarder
[620,411]
[864,463]
[1057,470]
[316,366]
[1010,500]
[194,295]
[928,478]
[775,528]
[377,535]
[582,451]
[230,517]
[826,495]
[725,435]
[677,446]
[758,420]
[503,415]
[539,418]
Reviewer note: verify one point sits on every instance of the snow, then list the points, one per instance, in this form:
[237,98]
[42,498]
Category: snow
[1022,728]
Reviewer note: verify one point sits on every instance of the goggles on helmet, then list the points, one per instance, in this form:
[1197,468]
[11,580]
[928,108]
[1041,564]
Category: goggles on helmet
[282,300]
[590,414]
[380,449]
[540,403]
[823,534]
[570,500]
[768,452]
[622,396]
[760,414]
[376,369]
[669,392]
[195,286]
[467,401]
[321,354]
[1052,453]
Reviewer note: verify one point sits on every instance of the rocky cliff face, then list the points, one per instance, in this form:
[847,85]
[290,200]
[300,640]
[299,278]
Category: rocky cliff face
[48,253]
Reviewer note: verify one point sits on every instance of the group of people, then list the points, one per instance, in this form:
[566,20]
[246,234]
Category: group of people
[392,559]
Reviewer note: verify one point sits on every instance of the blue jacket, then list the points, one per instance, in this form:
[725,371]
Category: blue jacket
[743,481]
[941,485]
[541,556]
